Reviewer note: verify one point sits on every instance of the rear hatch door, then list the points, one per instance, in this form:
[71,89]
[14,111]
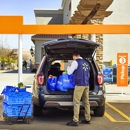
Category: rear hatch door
[65,47]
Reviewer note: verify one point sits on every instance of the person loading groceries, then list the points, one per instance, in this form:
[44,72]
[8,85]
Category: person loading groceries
[81,70]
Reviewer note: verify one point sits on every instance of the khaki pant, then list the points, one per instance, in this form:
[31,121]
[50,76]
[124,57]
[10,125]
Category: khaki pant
[81,92]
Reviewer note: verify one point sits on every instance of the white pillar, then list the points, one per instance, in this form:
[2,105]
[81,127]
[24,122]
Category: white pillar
[20,41]
[93,38]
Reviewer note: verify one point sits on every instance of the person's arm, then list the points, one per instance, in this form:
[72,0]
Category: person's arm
[72,68]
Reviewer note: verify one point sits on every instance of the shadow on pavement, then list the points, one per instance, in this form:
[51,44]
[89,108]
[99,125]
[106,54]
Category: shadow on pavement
[16,71]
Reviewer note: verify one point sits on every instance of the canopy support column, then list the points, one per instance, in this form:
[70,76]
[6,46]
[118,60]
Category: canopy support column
[93,38]
[20,42]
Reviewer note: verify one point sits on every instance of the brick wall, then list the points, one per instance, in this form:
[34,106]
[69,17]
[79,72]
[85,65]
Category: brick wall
[99,39]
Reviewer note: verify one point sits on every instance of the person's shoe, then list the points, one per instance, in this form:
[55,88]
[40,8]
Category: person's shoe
[85,122]
[72,123]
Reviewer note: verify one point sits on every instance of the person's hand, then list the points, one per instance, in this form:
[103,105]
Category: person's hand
[69,64]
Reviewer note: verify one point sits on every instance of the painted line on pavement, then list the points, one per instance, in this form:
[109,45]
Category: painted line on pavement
[113,120]
[118,111]
[123,121]
[110,117]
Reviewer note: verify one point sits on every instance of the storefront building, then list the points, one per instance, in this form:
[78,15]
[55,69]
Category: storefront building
[87,12]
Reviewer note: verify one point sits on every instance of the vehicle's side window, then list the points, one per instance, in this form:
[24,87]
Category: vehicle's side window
[41,65]
[97,66]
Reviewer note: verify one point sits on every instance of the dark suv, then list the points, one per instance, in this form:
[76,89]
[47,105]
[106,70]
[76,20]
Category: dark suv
[61,50]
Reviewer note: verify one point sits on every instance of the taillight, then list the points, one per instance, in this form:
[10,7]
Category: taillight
[40,79]
[100,79]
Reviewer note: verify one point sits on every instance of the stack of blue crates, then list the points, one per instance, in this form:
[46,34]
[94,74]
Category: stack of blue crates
[17,102]
[108,74]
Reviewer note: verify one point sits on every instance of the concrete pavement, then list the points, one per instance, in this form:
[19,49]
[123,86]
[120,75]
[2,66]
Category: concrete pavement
[11,78]
[114,94]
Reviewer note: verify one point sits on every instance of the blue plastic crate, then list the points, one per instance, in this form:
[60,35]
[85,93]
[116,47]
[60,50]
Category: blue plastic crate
[4,107]
[12,89]
[8,89]
[108,71]
[18,98]
[129,69]
[14,110]
[108,78]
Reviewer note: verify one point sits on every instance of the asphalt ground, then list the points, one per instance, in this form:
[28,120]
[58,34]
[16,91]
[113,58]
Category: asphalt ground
[117,117]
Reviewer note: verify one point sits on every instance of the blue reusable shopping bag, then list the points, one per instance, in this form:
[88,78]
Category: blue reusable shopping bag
[65,82]
[72,84]
[62,83]
[52,83]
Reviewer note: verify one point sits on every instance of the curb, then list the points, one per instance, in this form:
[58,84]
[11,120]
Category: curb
[118,101]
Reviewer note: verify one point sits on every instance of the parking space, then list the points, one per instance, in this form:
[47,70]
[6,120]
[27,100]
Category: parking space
[118,112]
[117,116]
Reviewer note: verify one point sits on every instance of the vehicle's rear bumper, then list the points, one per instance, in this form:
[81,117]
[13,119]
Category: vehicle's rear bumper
[66,104]
[67,100]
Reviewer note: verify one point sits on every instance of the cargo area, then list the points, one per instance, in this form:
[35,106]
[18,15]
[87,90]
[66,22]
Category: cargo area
[58,68]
